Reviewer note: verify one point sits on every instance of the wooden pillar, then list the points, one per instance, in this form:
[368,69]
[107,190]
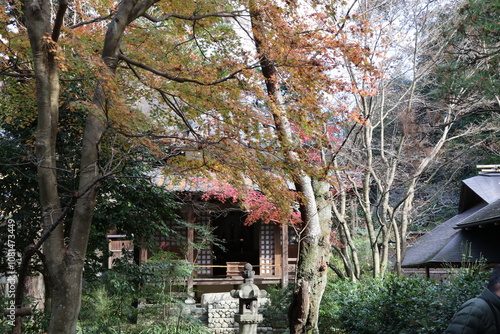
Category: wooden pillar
[284,256]
[278,252]
[190,250]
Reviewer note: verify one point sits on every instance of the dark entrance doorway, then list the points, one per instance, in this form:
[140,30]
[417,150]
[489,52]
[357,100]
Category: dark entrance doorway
[240,242]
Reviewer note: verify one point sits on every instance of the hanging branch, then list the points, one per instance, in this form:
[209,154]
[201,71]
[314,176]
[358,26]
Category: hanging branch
[165,17]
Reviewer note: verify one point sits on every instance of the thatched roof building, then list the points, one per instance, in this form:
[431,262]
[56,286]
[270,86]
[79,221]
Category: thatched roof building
[471,235]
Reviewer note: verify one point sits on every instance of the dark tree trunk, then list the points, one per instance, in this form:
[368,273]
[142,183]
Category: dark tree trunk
[65,260]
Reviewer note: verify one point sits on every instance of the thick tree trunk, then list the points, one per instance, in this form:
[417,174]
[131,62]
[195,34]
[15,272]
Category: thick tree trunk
[66,271]
[65,261]
[38,17]
[314,254]
[66,296]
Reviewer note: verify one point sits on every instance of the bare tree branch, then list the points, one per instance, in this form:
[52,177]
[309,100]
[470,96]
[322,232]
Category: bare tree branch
[59,20]
[97,19]
[194,17]
[183,80]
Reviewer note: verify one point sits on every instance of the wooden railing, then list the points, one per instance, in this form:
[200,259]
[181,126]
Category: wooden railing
[235,269]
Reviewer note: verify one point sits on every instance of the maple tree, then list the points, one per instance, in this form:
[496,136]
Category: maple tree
[298,80]
[297,58]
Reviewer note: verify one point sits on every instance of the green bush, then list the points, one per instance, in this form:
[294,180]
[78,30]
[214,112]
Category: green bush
[396,305]
[276,309]
[133,299]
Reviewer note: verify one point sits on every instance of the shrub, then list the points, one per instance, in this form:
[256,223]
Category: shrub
[140,299]
[276,309]
[396,305]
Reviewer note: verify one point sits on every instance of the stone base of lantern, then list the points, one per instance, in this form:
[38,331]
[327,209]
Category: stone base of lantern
[248,322]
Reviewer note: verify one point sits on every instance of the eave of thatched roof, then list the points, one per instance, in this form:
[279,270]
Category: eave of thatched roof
[490,214]
[442,244]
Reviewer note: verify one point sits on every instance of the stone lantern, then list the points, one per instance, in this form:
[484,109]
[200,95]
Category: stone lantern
[248,294]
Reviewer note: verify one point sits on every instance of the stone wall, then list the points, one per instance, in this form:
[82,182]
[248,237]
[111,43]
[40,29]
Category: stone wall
[217,312]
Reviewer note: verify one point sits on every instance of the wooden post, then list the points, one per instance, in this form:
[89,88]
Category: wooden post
[190,249]
[278,252]
[284,256]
